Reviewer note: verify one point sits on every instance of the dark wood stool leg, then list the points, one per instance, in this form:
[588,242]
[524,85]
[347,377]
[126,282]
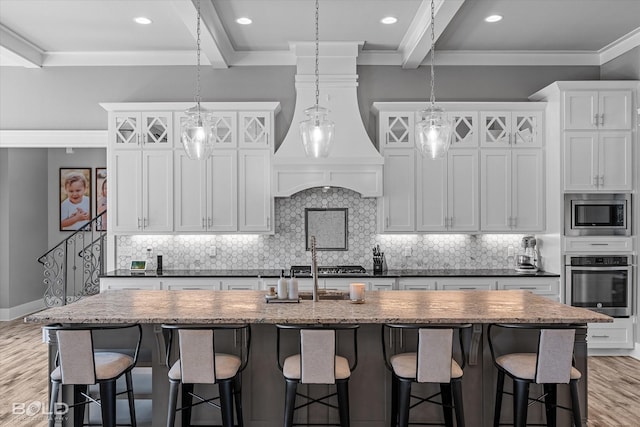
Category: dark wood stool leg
[520,402]
[445,392]
[78,411]
[343,402]
[187,400]
[226,402]
[550,400]
[456,388]
[130,397]
[404,400]
[575,403]
[394,400]
[55,389]
[173,401]
[108,403]
[237,395]
[498,406]
[290,402]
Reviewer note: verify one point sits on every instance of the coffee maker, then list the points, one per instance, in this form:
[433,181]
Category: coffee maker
[527,260]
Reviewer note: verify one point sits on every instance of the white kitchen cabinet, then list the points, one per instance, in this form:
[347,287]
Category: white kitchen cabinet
[511,190]
[396,129]
[381,284]
[206,192]
[256,206]
[239,284]
[191,284]
[129,283]
[597,110]
[397,206]
[548,287]
[151,130]
[466,284]
[225,135]
[465,129]
[432,194]
[598,161]
[511,128]
[416,284]
[142,183]
[255,129]
[616,335]
[598,244]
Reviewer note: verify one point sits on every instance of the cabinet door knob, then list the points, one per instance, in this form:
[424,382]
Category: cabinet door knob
[139,222]
[602,180]
[209,221]
[595,180]
[387,221]
[594,122]
[602,119]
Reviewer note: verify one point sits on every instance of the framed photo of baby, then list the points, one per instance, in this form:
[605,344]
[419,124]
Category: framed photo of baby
[101,199]
[75,198]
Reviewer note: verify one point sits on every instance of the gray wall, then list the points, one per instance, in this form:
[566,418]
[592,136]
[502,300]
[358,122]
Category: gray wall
[26,237]
[58,158]
[624,67]
[4,228]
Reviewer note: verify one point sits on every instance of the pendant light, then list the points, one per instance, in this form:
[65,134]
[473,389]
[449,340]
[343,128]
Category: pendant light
[197,130]
[317,129]
[433,131]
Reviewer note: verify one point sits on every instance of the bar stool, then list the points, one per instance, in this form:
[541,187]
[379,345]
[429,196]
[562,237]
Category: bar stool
[79,364]
[199,362]
[432,362]
[316,362]
[551,364]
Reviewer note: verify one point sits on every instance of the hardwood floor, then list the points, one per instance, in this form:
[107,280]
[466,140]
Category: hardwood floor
[614,382]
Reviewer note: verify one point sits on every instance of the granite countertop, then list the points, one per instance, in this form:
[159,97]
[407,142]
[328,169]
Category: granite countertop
[154,307]
[269,273]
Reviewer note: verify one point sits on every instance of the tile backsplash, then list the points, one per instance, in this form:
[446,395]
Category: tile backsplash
[287,246]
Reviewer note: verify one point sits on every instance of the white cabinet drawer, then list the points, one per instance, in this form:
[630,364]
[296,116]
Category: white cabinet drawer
[618,334]
[417,284]
[133,283]
[549,288]
[382,285]
[191,284]
[598,244]
[244,284]
[475,284]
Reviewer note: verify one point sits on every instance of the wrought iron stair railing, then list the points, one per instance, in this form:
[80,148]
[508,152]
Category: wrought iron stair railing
[73,267]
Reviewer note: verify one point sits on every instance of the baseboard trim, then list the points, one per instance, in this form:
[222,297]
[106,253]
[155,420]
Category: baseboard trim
[635,353]
[21,310]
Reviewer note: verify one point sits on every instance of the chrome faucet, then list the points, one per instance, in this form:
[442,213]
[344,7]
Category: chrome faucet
[314,267]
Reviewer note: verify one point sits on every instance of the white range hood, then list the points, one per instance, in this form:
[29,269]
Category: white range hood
[353,161]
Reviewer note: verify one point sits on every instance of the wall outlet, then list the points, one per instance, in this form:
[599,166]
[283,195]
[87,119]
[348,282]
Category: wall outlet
[212,251]
[511,251]
[407,251]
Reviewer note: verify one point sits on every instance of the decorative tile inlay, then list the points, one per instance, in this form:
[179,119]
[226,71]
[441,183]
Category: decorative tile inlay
[287,246]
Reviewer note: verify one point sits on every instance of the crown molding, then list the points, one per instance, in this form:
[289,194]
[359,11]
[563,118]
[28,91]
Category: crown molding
[18,50]
[53,138]
[516,58]
[620,46]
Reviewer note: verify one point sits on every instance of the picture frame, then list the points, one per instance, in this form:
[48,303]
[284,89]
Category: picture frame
[100,198]
[330,226]
[75,198]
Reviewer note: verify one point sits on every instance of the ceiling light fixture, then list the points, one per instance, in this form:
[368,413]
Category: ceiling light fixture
[142,20]
[317,130]
[244,20]
[388,20]
[433,132]
[493,18]
[197,130]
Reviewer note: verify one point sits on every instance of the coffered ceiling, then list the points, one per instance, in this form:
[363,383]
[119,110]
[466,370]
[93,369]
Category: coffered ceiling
[48,33]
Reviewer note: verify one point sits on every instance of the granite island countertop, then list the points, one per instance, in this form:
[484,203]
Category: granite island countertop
[155,307]
[271,273]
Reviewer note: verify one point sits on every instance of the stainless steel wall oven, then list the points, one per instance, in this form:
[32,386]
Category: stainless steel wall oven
[597,214]
[602,283]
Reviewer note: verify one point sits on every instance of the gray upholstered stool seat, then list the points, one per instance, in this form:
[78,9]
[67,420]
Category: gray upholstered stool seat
[107,364]
[523,365]
[405,365]
[291,367]
[227,366]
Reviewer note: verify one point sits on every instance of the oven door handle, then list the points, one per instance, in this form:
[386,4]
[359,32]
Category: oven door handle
[607,268]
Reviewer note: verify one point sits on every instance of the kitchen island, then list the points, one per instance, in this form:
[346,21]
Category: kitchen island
[263,386]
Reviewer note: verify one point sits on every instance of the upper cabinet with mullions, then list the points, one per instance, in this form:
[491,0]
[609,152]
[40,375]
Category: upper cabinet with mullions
[136,130]
[511,128]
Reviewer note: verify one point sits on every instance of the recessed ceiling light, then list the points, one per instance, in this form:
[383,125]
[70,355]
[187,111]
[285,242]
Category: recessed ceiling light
[493,18]
[142,20]
[389,20]
[244,21]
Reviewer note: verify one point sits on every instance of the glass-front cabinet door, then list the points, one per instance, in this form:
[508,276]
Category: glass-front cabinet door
[255,128]
[397,129]
[496,129]
[526,129]
[465,128]
[126,130]
[157,128]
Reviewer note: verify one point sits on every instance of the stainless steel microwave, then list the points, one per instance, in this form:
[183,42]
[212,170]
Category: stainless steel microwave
[597,214]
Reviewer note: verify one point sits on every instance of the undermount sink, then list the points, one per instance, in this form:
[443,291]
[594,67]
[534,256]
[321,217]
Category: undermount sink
[326,295]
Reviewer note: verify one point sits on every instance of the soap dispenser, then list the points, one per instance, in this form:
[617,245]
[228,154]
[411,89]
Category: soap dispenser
[282,286]
[293,287]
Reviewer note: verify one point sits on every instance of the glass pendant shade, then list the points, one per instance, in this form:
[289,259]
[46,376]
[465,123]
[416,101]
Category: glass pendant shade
[197,134]
[317,132]
[433,133]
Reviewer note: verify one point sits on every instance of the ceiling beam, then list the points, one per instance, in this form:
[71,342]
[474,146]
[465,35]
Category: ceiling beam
[416,43]
[214,41]
[18,50]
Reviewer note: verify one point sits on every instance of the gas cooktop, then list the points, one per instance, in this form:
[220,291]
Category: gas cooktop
[305,270]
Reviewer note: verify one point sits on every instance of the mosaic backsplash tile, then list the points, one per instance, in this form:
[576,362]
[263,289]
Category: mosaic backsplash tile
[287,246]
